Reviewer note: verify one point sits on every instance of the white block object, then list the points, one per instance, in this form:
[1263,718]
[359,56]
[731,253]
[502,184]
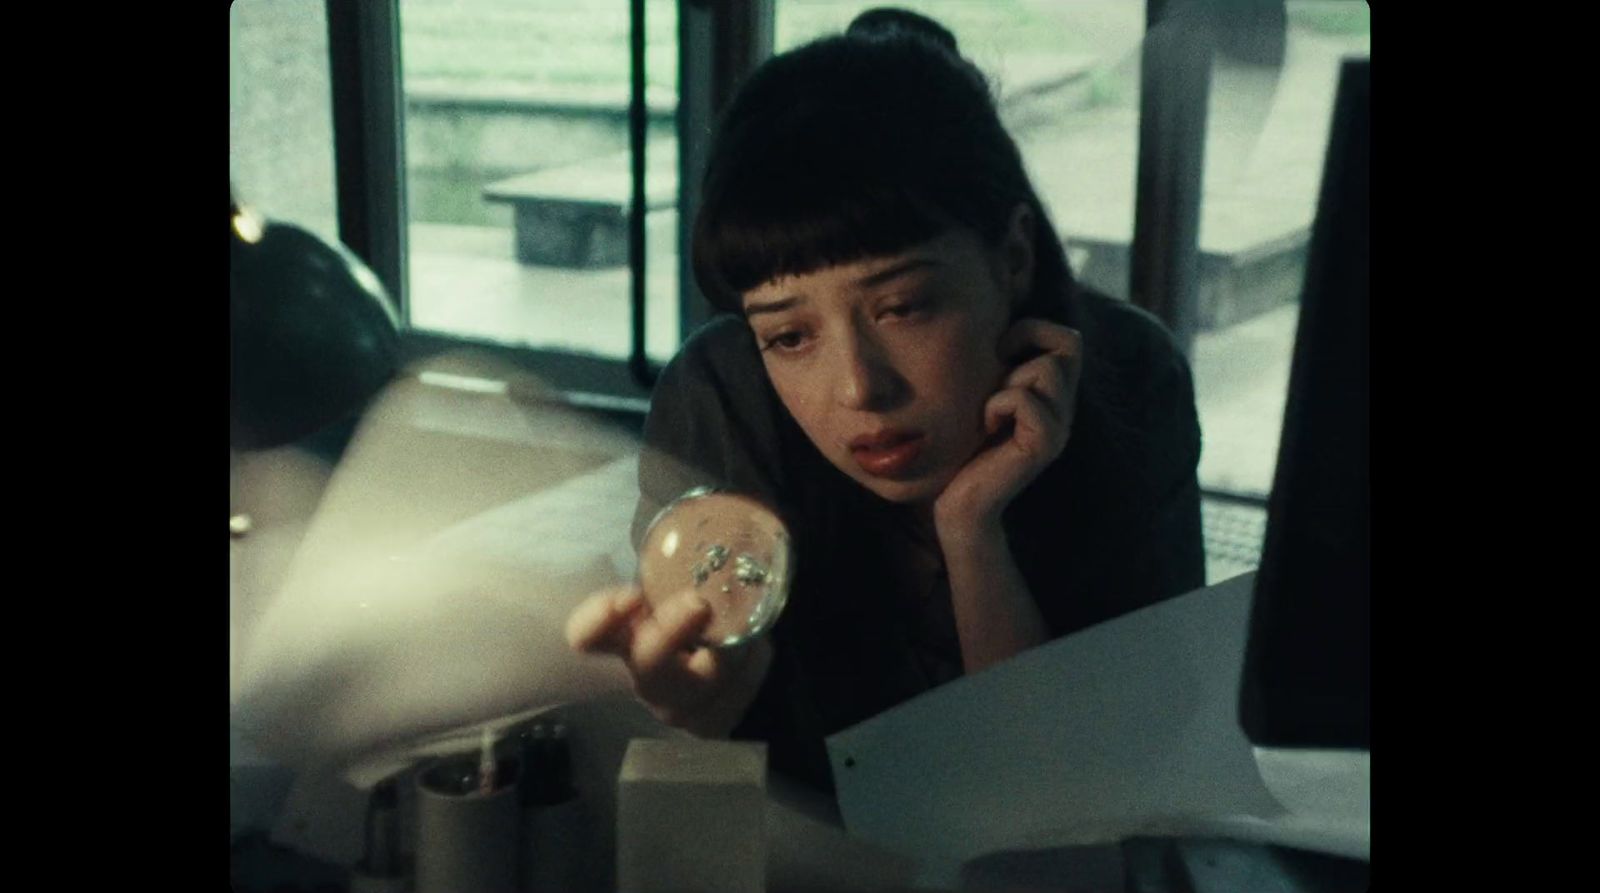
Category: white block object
[691,816]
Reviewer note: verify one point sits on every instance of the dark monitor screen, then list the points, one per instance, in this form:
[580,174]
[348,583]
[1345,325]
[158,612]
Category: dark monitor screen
[1307,678]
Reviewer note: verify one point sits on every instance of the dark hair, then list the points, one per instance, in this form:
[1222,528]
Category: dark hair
[887,21]
[862,145]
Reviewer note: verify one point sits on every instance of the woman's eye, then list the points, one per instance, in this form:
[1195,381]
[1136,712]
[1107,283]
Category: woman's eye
[904,309]
[784,341]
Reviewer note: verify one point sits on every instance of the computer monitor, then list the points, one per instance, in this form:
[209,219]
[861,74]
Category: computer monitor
[1307,678]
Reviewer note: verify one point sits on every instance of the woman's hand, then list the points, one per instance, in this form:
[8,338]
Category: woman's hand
[1028,421]
[702,690]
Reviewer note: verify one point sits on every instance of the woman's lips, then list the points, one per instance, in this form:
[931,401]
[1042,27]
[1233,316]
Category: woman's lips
[888,454]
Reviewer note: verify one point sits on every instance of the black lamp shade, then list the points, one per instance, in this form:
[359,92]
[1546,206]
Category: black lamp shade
[313,334]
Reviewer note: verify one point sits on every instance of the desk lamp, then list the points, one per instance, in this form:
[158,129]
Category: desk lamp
[312,334]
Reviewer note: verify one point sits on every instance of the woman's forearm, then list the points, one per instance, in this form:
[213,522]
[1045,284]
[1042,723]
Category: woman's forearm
[996,616]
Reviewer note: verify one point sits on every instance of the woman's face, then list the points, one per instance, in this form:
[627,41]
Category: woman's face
[887,363]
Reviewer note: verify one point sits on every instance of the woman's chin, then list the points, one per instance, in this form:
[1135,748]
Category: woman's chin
[921,491]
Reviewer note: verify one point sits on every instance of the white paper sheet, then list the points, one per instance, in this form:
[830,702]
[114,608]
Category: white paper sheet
[1129,727]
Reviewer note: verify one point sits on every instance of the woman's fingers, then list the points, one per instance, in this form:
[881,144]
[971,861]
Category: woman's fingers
[734,677]
[1036,429]
[603,623]
[657,659]
[704,690]
[1045,377]
[705,665]
[1054,375]
[1027,338]
[713,665]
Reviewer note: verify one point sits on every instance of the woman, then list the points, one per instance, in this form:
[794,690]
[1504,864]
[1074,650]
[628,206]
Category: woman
[975,454]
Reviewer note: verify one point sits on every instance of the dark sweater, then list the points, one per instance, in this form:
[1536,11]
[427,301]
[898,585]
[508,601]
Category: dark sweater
[1111,526]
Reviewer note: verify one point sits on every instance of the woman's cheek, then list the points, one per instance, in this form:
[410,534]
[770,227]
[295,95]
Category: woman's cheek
[801,403]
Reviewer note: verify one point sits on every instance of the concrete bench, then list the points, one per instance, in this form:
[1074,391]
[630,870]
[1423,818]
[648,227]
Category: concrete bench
[576,215]
[1238,280]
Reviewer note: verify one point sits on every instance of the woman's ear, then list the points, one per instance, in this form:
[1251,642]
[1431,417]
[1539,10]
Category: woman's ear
[1017,255]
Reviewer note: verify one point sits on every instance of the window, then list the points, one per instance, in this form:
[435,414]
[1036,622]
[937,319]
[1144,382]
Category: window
[518,174]
[280,121]
[1266,136]
[1267,133]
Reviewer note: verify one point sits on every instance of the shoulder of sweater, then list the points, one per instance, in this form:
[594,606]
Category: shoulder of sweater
[1129,334]
[723,342]
[718,363]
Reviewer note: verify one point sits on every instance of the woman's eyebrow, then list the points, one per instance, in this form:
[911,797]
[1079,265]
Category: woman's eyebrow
[870,280]
[895,271]
[777,306]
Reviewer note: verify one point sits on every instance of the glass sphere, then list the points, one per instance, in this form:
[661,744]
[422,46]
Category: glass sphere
[730,550]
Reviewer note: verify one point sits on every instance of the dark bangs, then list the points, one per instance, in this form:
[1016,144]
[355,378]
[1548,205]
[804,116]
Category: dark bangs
[791,224]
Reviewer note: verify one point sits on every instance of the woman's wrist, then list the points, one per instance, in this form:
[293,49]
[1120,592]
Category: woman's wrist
[975,551]
[963,534]
[995,614]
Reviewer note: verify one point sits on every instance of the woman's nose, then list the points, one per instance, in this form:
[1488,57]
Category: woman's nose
[866,379]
